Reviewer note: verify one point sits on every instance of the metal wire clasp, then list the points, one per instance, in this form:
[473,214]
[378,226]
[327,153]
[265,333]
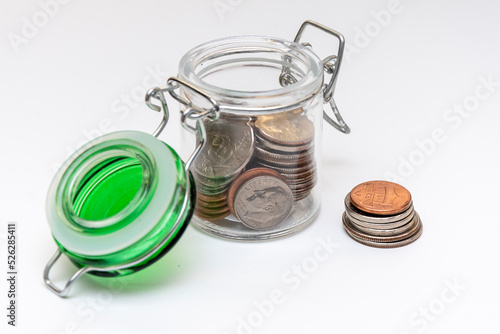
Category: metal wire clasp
[189,112]
[331,65]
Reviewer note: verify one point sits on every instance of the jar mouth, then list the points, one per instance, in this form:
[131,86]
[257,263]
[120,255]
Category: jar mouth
[243,72]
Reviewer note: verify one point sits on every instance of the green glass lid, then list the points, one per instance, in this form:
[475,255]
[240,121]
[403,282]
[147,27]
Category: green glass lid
[118,204]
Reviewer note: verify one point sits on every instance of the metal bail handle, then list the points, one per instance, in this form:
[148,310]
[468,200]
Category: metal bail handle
[331,65]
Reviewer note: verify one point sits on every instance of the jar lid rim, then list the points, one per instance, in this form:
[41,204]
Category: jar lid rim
[162,199]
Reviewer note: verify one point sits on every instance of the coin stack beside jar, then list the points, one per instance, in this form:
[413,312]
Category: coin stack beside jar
[381,214]
[229,148]
[285,144]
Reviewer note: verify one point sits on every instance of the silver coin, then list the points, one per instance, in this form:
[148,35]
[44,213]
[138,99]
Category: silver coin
[283,157]
[263,202]
[228,149]
[374,219]
[381,226]
[385,230]
[392,244]
[264,143]
[291,171]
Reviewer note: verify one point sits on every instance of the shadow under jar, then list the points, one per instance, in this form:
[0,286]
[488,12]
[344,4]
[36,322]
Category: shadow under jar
[258,174]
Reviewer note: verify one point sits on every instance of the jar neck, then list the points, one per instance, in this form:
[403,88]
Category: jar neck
[243,73]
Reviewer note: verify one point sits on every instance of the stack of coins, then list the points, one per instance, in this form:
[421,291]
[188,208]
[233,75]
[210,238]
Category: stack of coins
[381,214]
[286,144]
[228,150]
[260,198]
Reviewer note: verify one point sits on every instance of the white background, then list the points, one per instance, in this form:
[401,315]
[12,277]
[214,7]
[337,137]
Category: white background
[67,81]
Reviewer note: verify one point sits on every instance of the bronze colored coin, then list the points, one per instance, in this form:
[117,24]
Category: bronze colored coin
[210,205]
[381,197]
[392,244]
[212,211]
[215,198]
[291,130]
[244,177]
[391,221]
[209,217]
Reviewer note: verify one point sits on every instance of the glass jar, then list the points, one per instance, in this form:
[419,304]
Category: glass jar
[258,175]
[256,106]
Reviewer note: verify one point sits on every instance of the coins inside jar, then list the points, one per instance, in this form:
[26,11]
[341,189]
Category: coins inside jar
[242,152]
[286,144]
[381,214]
[228,149]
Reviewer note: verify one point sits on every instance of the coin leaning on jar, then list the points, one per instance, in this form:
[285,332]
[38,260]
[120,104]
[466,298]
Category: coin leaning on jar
[228,149]
[285,143]
[260,198]
[381,214]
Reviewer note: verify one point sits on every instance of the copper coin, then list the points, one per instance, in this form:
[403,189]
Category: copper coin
[215,198]
[370,218]
[210,217]
[210,205]
[246,176]
[381,197]
[291,130]
[212,211]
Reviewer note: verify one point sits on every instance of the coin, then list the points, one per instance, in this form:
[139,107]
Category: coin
[216,198]
[381,197]
[228,149]
[415,225]
[211,217]
[262,200]
[381,226]
[383,232]
[244,177]
[371,218]
[297,158]
[294,130]
[392,244]
[381,214]
[266,144]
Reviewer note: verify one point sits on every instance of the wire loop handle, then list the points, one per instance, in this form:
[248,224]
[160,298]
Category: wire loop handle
[331,65]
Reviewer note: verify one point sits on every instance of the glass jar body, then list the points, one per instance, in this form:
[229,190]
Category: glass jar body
[258,174]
